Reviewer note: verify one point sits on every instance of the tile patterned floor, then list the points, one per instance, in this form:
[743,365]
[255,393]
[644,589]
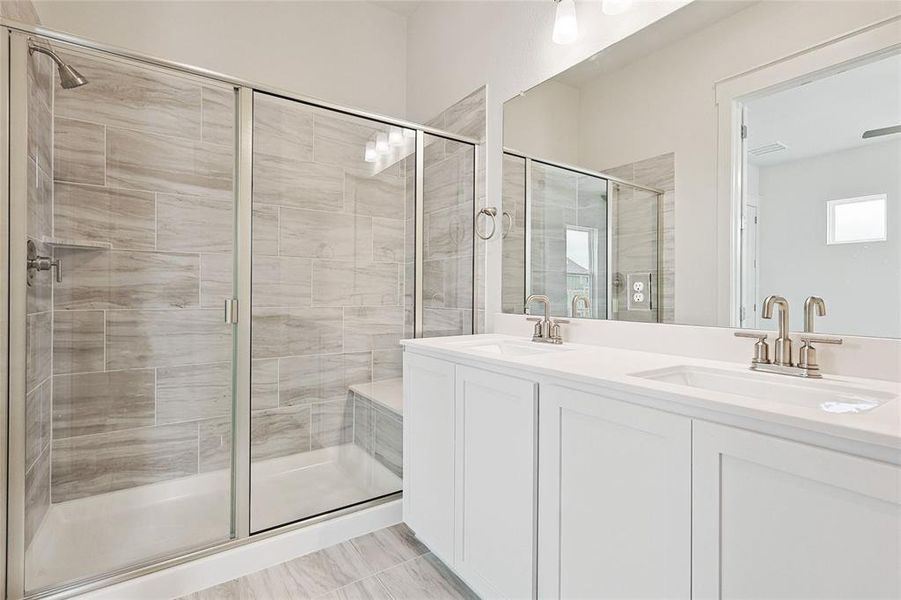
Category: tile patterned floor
[389,564]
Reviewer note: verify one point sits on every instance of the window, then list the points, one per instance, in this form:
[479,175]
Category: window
[856,220]
[581,245]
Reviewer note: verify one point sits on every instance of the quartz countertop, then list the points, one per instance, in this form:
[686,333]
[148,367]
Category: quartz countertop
[615,369]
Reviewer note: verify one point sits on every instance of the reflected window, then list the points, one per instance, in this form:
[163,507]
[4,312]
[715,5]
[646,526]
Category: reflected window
[856,220]
[581,269]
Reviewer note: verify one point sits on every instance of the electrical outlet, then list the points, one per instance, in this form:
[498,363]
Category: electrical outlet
[639,292]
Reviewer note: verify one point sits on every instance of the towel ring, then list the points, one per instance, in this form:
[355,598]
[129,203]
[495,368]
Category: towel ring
[488,212]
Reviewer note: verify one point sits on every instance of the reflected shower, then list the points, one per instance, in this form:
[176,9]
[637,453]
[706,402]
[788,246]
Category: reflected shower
[68,77]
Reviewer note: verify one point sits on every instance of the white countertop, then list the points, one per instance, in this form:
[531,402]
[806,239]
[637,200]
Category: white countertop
[614,368]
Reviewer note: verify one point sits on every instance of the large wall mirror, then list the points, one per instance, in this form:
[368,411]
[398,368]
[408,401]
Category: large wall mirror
[717,157]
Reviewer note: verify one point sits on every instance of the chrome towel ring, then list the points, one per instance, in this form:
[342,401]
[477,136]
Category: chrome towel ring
[491,212]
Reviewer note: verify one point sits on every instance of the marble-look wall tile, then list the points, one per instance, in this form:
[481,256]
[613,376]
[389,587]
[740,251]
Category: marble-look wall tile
[131,96]
[372,328]
[40,203]
[281,281]
[448,232]
[218,108]
[332,423]
[78,341]
[446,321]
[265,229]
[37,494]
[37,421]
[163,338]
[264,383]
[388,445]
[105,462]
[186,393]
[298,184]
[322,377]
[378,196]
[317,234]
[192,224]
[216,275]
[89,403]
[388,240]
[448,183]
[167,164]
[387,364]
[364,422]
[467,116]
[122,218]
[282,128]
[39,123]
[346,283]
[214,444]
[110,279]
[79,151]
[22,11]
[447,283]
[38,348]
[296,331]
[279,431]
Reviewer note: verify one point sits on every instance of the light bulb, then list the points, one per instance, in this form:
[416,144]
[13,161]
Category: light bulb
[370,155]
[381,143]
[395,136]
[566,28]
[615,7]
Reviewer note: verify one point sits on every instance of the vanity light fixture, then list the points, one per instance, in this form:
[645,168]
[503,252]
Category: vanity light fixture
[615,7]
[566,28]
[370,155]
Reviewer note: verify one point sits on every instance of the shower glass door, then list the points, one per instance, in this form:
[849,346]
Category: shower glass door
[128,384]
[331,213]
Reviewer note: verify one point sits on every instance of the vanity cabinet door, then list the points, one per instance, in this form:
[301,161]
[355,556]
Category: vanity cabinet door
[496,467]
[781,519]
[614,498]
[429,452]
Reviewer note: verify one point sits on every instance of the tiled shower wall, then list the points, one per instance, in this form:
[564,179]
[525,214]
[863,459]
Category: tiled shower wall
[39,299]
[143,221]
[514,241]
[328,273]
[636,222]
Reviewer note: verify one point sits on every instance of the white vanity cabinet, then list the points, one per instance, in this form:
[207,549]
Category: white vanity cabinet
[496,496]
[429,455]
[614,498]
[781,519]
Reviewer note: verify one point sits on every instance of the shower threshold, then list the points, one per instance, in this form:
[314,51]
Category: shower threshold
[107,532]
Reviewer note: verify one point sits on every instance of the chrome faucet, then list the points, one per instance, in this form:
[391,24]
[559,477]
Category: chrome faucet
[782,363]
[575,304]
[546,329]
[783,353]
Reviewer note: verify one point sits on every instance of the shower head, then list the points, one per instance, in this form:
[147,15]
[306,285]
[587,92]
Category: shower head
[68,77]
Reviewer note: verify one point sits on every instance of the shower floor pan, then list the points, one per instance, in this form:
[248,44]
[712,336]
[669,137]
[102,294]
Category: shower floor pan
[99,534]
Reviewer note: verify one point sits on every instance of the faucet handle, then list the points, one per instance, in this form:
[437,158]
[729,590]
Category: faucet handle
[819,339]
[751,334]
[534,319]
[761,348]
[561,321]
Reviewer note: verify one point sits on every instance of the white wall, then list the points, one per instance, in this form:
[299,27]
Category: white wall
[664,102]
[860,282]
[456,47]
[351,53]
[555,136]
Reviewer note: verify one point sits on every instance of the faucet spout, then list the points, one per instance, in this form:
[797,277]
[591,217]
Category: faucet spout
[813,303]
[783,353]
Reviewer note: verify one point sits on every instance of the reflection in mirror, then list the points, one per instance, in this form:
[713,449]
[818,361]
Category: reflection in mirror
[734,155]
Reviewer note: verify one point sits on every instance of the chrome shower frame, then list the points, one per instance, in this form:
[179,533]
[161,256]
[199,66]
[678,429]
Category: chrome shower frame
[13,206]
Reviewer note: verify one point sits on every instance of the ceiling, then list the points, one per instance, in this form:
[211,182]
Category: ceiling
[402,7]
[829,113]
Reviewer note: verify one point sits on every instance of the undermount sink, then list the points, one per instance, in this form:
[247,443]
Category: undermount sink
[823,395]
[512,348]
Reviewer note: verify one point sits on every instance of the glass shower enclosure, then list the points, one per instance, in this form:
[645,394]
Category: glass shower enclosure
[200,273]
